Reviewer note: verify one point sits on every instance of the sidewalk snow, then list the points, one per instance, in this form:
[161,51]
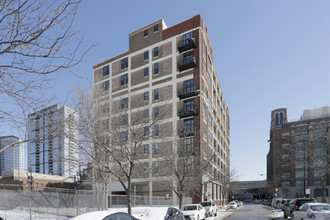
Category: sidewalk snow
[143,213]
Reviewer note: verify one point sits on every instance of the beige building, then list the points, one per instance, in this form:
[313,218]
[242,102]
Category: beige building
[168,74]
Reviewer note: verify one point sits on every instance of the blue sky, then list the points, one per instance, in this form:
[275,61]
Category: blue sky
[268,54]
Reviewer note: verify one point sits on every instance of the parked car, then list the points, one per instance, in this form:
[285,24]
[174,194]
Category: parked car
[274,202]
[193,212]
[318,211]
[104,215]
[163,213]
[283,203]
[173,214]
[210,208]
[294,205]
[232,205]
[267,202]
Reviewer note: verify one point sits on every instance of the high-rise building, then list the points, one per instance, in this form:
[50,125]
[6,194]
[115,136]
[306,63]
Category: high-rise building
[52,147]
[298,157]
[12,157]
[170,69]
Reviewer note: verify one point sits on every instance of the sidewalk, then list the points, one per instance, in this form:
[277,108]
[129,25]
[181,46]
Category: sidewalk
[223,213]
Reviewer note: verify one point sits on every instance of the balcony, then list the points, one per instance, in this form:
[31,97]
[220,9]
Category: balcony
[187,132]
[186,153]
[187,92]
[182,113]
[186,44]
[187,63]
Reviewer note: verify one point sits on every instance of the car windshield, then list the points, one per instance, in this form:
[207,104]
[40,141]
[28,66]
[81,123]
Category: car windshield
[320,207]
[231,203]
[300,202]
[189,208]
[206,203]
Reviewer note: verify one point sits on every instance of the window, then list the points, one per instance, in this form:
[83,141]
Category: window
[124,79]
[188,105]
[105,108]
[146,113]
[156,70]
[286,137]
[145,33]
[209,63]
[156,168]
[188,58]
[156,149]
[105,124]
[188,145]
[146,55]
[301,133]
[156,130]
[106,85]
[156,95]
[124,103]
[189,165]
[156,112]
[146,131]
[156,52]
[186,38]
[146,96]
[124,136]
[146,72]
[146,148]
[319,131]
[106,70]
[188,125]
[124,119]
[188,86]
[124,63]
[156,28]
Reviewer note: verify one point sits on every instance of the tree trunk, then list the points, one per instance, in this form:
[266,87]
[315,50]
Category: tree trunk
[324,192]
[129,203]
[180,200]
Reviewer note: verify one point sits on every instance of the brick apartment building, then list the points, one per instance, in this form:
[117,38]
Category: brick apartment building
[170,70]
[298,155]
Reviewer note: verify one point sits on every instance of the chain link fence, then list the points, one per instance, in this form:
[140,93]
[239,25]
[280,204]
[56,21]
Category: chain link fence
[73,203]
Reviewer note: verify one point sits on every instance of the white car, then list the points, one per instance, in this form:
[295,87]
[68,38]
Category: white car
[210,208]
[232,205]
[104,215]
[193,211]
[318,211]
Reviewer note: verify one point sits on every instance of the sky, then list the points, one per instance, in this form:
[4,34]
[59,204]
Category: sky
[268,54]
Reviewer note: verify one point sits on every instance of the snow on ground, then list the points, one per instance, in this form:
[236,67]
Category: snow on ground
[143,213]
[17,214]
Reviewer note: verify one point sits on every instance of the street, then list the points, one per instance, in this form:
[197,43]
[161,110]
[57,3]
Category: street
[254,212]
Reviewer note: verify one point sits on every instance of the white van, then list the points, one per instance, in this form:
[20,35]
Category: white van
[210,208]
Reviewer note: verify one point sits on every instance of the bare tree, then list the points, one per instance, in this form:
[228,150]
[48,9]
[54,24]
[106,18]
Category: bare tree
[113,136]
[320,162]
[36,39]
[186,168]
[313,156]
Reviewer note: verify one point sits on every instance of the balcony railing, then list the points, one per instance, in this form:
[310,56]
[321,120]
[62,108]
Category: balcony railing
[187,92]
[187,132]
[182,113]
[186,44]
[187,63]
[185,153]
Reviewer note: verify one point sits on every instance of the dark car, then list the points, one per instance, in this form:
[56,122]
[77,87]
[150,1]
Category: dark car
[173,214]
[105,215]
[294,205]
